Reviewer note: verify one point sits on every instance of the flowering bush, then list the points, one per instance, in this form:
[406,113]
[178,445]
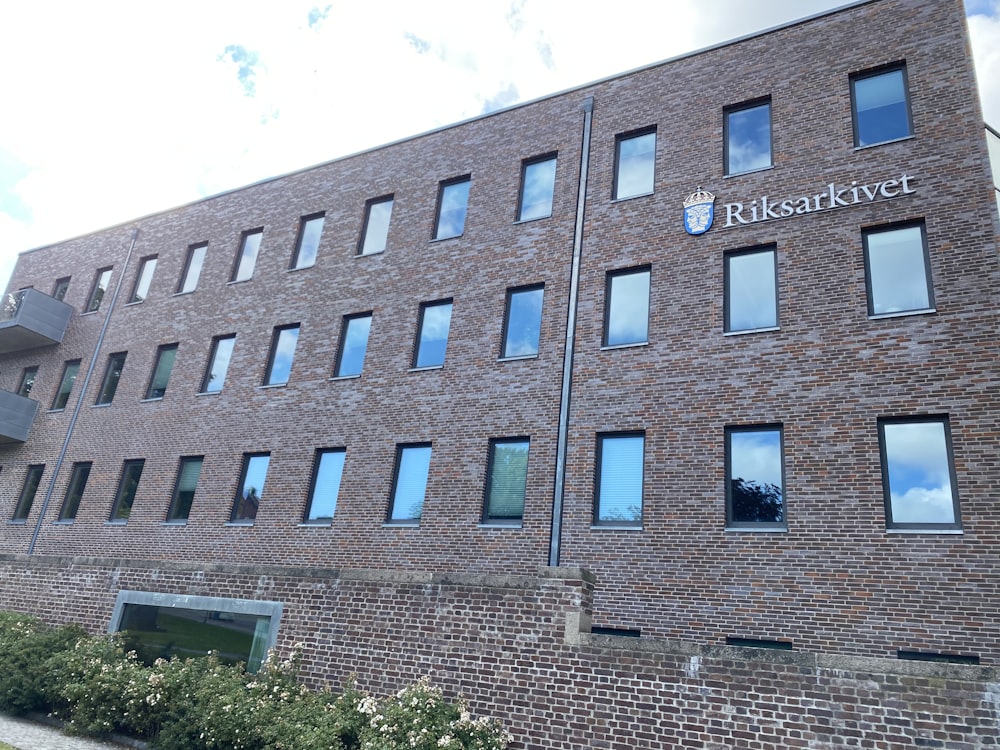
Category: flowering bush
[25,643]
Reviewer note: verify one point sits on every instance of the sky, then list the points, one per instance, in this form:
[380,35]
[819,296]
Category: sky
[115,109]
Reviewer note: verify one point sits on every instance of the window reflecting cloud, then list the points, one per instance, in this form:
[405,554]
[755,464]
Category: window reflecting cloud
[536,193]
[451,216]
[636,160]
[628,311]
[753,298]
[749,139]
[919,473]
[897,270]
[524,323]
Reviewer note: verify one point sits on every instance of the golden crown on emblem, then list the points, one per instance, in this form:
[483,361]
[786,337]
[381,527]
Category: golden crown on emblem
[698,196]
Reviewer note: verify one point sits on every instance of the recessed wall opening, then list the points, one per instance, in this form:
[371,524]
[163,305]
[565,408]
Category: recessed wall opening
[732,640]
[937,656]
[620,632]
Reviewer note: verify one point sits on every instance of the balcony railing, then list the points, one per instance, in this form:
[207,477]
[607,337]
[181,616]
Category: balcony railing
[29,319]
[17,414]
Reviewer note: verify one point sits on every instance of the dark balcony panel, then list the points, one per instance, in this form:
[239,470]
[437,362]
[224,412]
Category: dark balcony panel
[29,319]
[17,413]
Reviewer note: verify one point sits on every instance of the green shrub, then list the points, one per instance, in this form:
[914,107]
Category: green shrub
[25,644]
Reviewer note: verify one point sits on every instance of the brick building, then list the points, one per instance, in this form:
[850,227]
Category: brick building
[704,353]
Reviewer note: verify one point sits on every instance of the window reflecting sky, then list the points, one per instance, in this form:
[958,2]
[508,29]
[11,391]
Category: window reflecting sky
[220,364]
[636,157]
[897,271]
[749,133]
[411,483]
[433,342]
[454,200]
[327,487]
[755,456]
[248,256]
[753,299]
[536,194]
[352,356]
[284,353]
[309,242]
[524,323]
[377,227]
[195,262]
[919,474]
[881,108]
[628,316]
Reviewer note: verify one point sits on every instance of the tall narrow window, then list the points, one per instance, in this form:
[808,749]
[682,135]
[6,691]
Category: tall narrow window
[187,481]
[101,281]
[112,374]
[898,270]
[165,356]
[353,344]
[881,106]
[754,477]
[375,232]
[453,200]
[918,475]
[619,480]
[27,497]
[635,160]
[218,363]
[192,268]
[251,487]
[327,472]
[246,258]
[748,137]
[147,266]
[279,362]
[127,486]
[432,336]
[70,370]
[60,288]
[74,493]
[409,484]
[307,245]
[751,290]
[27,381]
[506,480]
[626,313]
[523,322]
[538,182]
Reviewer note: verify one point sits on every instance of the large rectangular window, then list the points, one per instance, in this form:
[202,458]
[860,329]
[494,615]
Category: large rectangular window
[192,268]
[246,257]
[353,345]
[74,492]
[619,480]
[748,137]
[754,477]
[881,106]
[409,483]
[27,497]
[101,280]
[522,324]
[918,475]
[626,307]
[328,470]
[127,486]
[112,374]
[307,245]
[218,363]
[143,280]
[251,487]
[70,371]
[375,232]
[635,160]
[538,182]
[751,290]
[453,201]
[165,356]
[506,480]
[187,481]
[279,361]
[897,267]
[28,376]
[432,334]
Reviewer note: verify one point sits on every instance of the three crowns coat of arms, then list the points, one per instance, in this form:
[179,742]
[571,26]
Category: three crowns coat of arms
[699,210]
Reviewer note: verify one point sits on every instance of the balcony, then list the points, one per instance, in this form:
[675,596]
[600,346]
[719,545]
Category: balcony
[30,318]
[17,413]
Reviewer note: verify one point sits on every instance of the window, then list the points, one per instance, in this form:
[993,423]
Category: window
[453,200]
[538,181]
[506,479]
[881,106]
[60,289]
[626,306]
[523,322]
[353,344]
[187,481]
[327,472]
[101,281]
[409,483]
[751,302]
[754,478]
[145,277]
[165,356]
[112,374]
[307,245]
[618,500]
[246,258]
[635,157]
[279,362]
[27,381]
[31,481]
[375,232]
[748,137]
[251,487]
[70,370]
[218,363]
[74,493]
[127,485]
[918,476]
[898,270]
[192,268]
[432,337]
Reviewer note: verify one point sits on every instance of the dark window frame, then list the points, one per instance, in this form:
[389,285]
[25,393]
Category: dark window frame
[727,302]
[621,138]
[60,394]
[442,188]
[173,515]
[103,397]
[123,490]
[743,107]
[134,298]
[272,353]
[240,249]
[191,251]
[732,524]
[598,465]
[25,500]
[525,165]
[862,75]
[97,291]
[210,363]
[244,520]
[307,518]
[344,326]
[74,491]
[363,238]
[304,221]
[505,330]
[61,285]
[608,280]
[500,520]
[866,232]
[400,449]
[151,394]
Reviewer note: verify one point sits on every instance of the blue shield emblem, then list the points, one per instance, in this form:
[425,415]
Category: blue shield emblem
[699,211]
